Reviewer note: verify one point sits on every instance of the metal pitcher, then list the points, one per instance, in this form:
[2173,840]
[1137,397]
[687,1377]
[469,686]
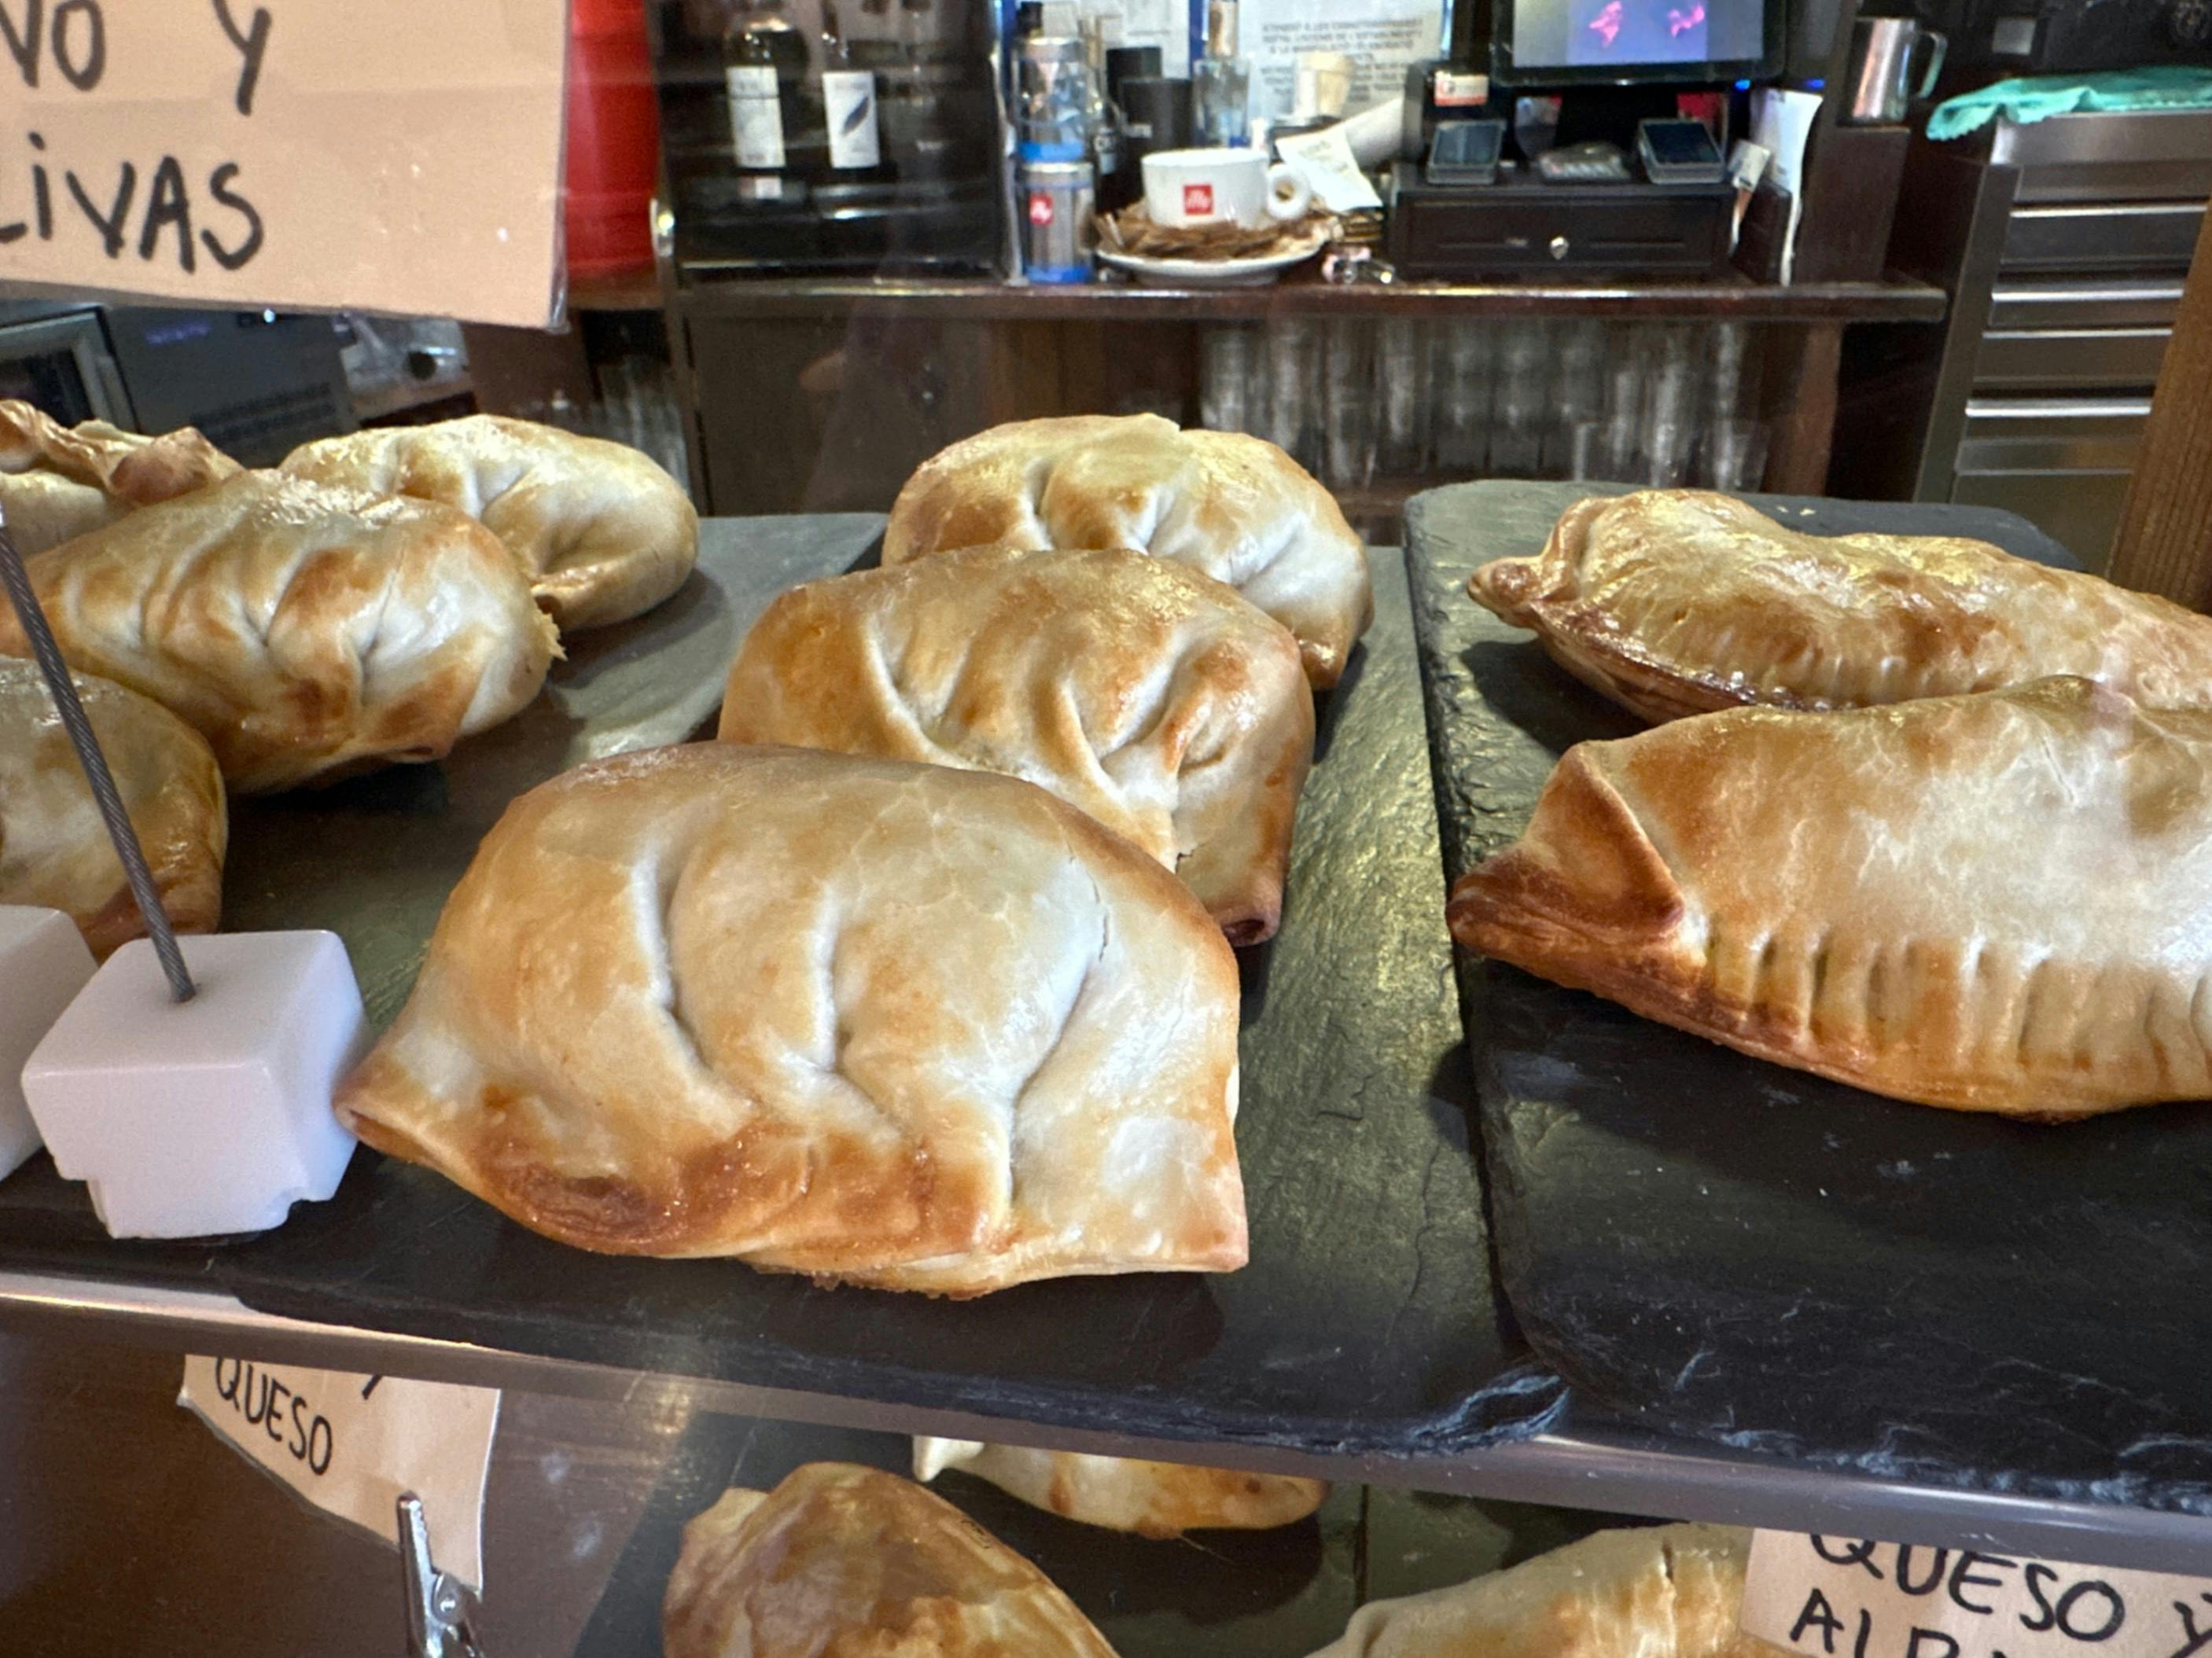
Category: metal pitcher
[1882,81]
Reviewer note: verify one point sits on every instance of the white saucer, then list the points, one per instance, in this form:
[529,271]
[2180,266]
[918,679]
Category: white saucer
[1254,271]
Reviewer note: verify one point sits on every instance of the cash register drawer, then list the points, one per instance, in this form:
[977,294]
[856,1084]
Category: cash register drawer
[1522,225]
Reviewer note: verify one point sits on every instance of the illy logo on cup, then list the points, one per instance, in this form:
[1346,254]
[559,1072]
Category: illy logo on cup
[1198,198]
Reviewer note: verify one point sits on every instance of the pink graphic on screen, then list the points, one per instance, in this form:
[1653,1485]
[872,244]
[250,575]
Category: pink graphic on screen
[1637,31]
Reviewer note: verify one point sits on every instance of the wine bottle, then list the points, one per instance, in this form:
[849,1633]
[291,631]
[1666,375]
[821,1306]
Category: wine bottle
[763,68]
[848,104]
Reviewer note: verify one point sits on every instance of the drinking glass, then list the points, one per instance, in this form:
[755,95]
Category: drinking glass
[1231,362]
[1577,393]
[1728,365]
[1732,455]
[1516,433]
[1221,101]
[1401,390]
[1594,452]
[1625,350]
[1294,362]
[1348,405]
[1462,397]
[1670,405]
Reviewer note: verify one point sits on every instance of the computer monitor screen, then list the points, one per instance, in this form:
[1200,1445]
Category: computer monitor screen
[1567,42]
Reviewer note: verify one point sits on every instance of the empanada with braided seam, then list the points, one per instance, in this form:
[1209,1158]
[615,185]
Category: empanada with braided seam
[305,632]
[602,533]
[841,1561]
[1128,1494]
[1234,507]
[1997,902]
[1675,602]
[54,847]
[892,1024]
[60,482]
[1650,1592]
[1147,694]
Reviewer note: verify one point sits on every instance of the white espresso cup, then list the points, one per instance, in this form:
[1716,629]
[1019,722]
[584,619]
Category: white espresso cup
[1187,187]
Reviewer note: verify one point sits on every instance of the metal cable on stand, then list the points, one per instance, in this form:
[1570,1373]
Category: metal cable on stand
[17,580]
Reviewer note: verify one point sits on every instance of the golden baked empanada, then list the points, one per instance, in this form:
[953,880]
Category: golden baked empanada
[894,1024]
[54,848]
[1997,902]
[303,631]
[1235,507]
[840,1561]
[1649,1592]
[1120,1494]
[1151,697]
[59,482]
[602,533]
[1678,601]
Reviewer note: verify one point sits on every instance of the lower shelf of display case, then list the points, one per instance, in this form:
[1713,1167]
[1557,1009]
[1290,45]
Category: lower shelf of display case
[1620,1470]
[704,291]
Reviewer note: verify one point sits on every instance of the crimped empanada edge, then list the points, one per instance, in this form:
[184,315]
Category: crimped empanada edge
[1524,906]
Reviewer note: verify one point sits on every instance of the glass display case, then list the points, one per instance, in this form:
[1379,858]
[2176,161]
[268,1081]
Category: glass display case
[1299,913]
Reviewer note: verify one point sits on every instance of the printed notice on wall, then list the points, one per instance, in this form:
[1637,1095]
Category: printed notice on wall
[400,155]
[352,1444]
[1383,38]
[1842,1597]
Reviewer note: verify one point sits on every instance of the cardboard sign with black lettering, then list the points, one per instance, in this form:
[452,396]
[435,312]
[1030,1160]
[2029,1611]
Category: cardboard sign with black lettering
[351,1444]
[1846,1597]
[403,155]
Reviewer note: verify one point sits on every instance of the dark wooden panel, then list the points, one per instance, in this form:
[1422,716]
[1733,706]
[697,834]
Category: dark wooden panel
[2164,540]
[1800,389]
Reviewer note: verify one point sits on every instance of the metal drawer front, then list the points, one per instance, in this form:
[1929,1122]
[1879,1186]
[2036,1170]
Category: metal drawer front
[2080,509]
[2085,305]
[2155,236]
[2102,357]
[2167,180]
[2104,137]
[2031,434]
[2110,157]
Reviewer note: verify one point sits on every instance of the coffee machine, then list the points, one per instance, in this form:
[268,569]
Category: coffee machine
[929,202]
[2069,37]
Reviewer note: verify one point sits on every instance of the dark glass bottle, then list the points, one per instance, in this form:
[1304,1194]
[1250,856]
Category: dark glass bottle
[851,117]
[764,70]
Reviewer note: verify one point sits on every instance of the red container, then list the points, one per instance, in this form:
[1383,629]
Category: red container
[614,141]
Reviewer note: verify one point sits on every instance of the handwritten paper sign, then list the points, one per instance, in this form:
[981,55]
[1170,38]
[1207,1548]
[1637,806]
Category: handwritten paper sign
[374,155]
[351,1444]
[1844,1597]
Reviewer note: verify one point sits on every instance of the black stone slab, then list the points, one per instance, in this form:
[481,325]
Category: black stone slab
[1365,1321]
[1707,1245]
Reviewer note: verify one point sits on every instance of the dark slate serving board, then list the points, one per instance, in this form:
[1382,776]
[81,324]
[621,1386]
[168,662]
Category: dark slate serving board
[1365,1321]
[1708,1245]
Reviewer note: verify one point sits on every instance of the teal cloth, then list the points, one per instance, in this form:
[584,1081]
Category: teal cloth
[2037,97]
